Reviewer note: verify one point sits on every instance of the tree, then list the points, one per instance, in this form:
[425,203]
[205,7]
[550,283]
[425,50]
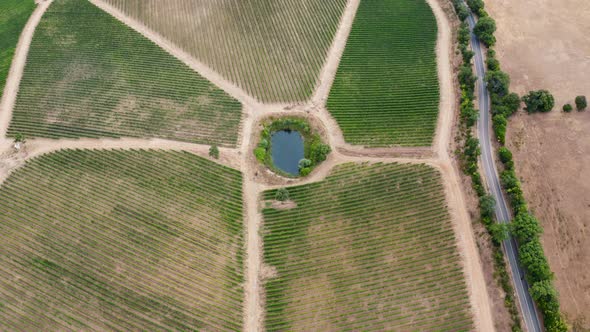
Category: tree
[493,64]
[304,163]
[487,203]
[499,232]
[545,295]
[533,259]
[525,227]
[475,5]
[567,108]
[500,123]
[472,149]
[214,151]
[581,103]
[466,76]
[538,101]
[498,82]
[462,11]
[484,30]
[512,103]
[505,154]
[282,195]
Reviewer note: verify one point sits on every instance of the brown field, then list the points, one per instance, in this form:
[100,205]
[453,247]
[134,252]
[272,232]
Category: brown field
[546,46]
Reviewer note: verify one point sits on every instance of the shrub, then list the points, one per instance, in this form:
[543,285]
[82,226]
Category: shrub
[581,103]
[318,152]
[512,103]
[499,125]
[484,30]
[19,138]
[304,171]
[462,11]
[304,163]
[533,259]
[493,64]
[214,151]
[567,108]
[538,101]
[525,227]
[260,154]
[498,82]
[263,143]
[282,195]
[499,232]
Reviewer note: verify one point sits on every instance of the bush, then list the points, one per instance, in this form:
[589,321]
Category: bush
[318,152]
[499,124]
[567,108]
[463,34]
[505,155]
[499,232]
[260,154]
[263,143]
[282,195]
[533,259]
[304,163]
[581,103]
[498,82]
[466,76]
[214,151]
[304,171]
[462,11]
[487,203]
[512,103]
[484,30]
[493,64]
[538,101]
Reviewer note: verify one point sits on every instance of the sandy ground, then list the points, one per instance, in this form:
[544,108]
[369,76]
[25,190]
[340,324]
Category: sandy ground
[544,45]
[18,66]
[437,156]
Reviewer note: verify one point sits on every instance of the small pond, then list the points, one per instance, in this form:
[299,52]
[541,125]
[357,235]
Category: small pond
[287,150]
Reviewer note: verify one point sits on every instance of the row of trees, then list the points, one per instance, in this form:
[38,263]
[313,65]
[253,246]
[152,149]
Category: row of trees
[525,227]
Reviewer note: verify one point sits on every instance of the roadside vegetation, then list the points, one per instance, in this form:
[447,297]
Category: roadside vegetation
[274,50]
[14,14]
[121,240]
[89,75]
[386,88]
[370,248]
[315,151]
[524,225]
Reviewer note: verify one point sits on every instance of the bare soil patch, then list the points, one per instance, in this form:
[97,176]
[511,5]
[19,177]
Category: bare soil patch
[545,45]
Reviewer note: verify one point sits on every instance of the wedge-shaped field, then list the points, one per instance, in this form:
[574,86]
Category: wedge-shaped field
[121,241]
[88,75]
[13,17]
[370,248]
[272,49]
[386,87]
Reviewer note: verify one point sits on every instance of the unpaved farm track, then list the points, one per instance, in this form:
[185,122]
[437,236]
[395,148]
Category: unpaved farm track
[437,156]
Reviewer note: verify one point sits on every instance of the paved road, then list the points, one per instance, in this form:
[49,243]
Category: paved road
[486,136]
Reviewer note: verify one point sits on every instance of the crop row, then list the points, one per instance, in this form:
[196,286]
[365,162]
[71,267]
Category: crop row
[272,49]
[13,17]
[121,240]
[386,89]
[369,248]
[88,75]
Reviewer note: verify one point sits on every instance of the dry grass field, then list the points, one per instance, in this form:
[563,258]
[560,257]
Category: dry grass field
[544,44]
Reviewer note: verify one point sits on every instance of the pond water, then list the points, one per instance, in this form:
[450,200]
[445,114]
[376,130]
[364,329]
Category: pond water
[287,150]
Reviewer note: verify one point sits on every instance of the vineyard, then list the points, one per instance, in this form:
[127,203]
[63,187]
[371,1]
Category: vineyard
[121,240]
[386,88]
[13,17]
[370,248]
[88,75]
[274,50]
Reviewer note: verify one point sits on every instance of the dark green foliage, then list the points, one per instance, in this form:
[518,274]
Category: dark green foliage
[466,76]
[498,82]
[13,17]
[282,194]
[493,64]
[304,163]
[512,103]
[499,232]
[484,30]
[505,154]
[533,259]
[581,103]
[19,138]
[538,101]
[568,108]
[475,5]
[214,151]
[318,151]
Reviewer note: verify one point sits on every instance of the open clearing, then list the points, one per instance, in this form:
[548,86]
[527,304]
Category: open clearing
[368,248]
[88,75]
[13,17]
[272,49]
[121,240]
[551,150]
[386,89]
